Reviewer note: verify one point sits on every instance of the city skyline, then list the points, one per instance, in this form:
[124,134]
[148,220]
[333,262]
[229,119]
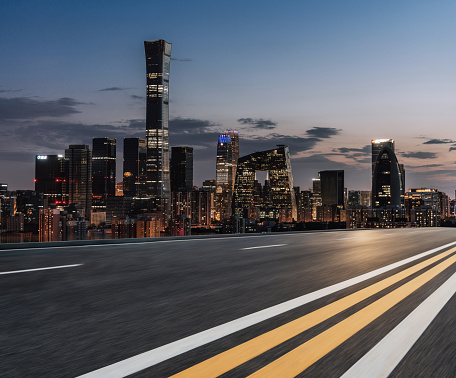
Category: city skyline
[330,80]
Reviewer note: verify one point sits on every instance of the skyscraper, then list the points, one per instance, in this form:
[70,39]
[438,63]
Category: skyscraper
[134,167]
[332,187]
[277,163]
[51,173]
[79,159]
[377,146]
[226,165]
[181,169]
[103,171]
[158,55]
[387,182]
[332,194]
[49,225]
[3,189]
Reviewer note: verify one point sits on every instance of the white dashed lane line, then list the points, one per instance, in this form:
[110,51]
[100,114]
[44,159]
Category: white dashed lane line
[265,246]
[37,269]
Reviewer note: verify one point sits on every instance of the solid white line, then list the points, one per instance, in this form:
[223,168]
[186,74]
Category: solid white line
[147,359]
[381,360]
[265,246]
[45,268]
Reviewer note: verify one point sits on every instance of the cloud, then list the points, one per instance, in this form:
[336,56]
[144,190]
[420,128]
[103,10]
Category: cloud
[182,60]
[452,148]
[198,133]
[346,150]
[439,141]
[296,144]
[420,155]
[315,158]
[425,166]
[112,89]
[323,132]
[9,90]
[22,108]
[360,155]
[55,135]
[190,126]
[137,97]
[258,123]
[203,136]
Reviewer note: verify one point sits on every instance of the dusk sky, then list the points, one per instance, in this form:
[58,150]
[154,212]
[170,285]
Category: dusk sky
[323,77]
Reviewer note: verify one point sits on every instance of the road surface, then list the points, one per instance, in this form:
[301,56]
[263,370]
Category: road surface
[313,304]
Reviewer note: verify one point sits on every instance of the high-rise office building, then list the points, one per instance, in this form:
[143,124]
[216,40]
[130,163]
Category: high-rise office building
[332,194]
[79,159]
[354,198]
[181,168]
[226,165]
[134,167]
[51,179]
[103,171]
[377,146]
[3,189]
[387,182]
[277,163]
[49,225]
[158,55]
[402,169]
[332,187]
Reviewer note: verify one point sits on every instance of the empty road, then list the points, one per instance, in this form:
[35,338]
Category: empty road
[345,303]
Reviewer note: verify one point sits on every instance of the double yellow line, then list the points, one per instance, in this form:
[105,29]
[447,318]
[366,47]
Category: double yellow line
[300,358]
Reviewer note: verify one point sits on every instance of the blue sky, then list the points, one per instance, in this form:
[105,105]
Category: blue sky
[325,77]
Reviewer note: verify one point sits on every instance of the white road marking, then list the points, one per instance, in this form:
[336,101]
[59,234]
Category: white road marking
[153,241]
[45,268]
[381,360]
[150,358]
[264,246]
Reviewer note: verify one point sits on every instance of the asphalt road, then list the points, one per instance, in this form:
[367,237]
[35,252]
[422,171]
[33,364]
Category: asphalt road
[221,301]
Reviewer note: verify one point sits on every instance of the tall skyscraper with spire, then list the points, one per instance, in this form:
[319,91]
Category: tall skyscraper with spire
[158,56]
[227,158]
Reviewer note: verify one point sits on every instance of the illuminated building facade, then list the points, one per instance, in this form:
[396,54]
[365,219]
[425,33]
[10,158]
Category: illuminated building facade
[134,167]
[427,201]
[79,158]
[316,197]
[3,189]
[227,160]
[51,178]
[181,169]
[277,163]
[201,207]
[158,56]
[49,225]
[103,171]
[387,182]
